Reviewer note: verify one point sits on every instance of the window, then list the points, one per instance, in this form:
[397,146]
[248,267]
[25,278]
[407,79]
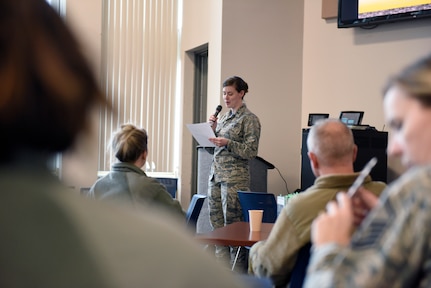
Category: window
[139,76]
[55,162]
[58,5]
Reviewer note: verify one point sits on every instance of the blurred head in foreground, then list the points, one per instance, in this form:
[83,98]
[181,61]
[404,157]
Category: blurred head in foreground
[407,107]
[46,85]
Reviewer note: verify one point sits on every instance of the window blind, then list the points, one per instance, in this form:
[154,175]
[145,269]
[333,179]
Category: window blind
[139,75]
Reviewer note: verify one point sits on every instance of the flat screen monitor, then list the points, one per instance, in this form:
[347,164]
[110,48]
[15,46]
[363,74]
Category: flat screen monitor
[369,13]
[313,117]
[351,118]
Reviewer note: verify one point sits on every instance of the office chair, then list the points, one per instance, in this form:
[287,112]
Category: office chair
[194,210]
[300,268]
[258,201]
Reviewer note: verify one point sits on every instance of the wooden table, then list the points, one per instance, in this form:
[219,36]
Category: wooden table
[235,234]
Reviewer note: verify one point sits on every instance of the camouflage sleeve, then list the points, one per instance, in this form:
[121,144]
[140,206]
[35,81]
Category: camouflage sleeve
[248,148]
[391,248]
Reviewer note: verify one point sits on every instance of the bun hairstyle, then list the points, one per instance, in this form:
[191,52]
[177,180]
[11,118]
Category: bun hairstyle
[238,83]
[129,143]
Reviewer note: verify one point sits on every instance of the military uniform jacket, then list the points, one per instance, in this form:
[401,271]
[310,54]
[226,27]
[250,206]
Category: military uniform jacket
[129,184]
[242,130]
[392,247]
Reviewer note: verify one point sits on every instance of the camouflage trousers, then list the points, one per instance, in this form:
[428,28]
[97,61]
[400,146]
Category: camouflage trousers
[224,209]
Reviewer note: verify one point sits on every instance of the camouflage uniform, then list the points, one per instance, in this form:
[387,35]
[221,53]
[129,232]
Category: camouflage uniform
[392,248]
[230,171]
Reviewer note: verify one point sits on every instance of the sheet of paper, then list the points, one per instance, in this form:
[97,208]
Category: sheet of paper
[202,132]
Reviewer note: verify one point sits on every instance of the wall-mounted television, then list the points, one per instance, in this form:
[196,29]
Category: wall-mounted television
[369,13]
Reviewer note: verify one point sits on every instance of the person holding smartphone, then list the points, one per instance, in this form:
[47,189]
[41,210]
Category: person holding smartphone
[392,245]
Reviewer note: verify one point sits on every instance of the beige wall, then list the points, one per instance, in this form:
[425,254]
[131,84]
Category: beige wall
[295,63]
[346,69]
[79,167]
[260,41]
[201,26]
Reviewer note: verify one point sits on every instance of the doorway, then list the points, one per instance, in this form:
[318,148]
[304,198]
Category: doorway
[200,103]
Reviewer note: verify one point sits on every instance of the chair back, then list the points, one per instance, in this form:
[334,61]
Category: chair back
[300,268]
[194,210]
[258,201]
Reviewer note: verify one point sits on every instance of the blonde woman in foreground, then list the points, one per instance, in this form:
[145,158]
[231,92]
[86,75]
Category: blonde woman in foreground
[392,247]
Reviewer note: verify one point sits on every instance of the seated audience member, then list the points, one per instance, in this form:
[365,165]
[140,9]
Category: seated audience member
[127,183]
[51,237]
[332,151]
[391,247]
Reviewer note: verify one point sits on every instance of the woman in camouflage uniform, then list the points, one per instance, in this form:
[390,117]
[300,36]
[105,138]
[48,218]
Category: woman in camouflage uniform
[237,141]
[392,247]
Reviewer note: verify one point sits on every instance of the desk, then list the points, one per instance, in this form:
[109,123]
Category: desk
[235,234]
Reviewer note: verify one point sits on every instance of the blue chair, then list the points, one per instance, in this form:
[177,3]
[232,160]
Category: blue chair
[254,282]
[300,268]
[258,201]
[194,210]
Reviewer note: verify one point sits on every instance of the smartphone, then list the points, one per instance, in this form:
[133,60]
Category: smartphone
[361,177]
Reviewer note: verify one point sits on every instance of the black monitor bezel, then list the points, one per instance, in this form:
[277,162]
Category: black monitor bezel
[312,116]
[359,113]
[349,21]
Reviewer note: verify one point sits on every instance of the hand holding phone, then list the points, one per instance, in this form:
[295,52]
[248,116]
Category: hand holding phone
[361,177]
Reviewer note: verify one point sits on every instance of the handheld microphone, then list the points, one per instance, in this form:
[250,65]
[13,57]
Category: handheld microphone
[218,109]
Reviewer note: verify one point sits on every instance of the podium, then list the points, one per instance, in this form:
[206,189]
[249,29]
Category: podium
[258,181]
[371,143]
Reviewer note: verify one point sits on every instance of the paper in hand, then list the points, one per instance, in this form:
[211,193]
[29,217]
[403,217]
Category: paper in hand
[202,132]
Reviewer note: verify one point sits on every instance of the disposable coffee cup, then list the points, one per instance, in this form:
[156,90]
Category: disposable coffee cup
[255,219]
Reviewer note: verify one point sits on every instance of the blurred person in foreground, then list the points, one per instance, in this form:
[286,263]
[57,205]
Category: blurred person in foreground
[392,246]
[127,183]
[51,237]
[332,152]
